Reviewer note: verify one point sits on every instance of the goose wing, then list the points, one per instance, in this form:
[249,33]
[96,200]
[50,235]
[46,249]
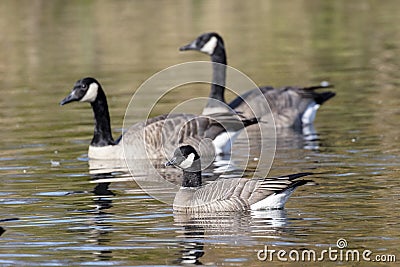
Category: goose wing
[220,195]
[191,129]
[233,194]
[155,136]
[287,103]
[265,187]
[162,134]
[282,97]
[220,122]
[297,97]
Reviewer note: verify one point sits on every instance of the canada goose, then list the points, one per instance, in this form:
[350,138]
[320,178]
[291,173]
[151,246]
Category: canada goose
[230,194]
[149,139]
[290,106]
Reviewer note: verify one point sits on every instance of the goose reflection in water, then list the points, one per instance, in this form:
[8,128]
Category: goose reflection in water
[230,228]
[97,223]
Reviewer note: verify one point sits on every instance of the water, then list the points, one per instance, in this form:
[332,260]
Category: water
[62,214]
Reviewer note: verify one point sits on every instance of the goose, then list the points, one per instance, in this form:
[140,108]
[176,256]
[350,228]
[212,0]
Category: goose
[291,106]
[228,194]
[158,133]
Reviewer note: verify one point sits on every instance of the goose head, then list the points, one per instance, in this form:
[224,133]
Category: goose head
[85,90]
[185,157]
[207,43]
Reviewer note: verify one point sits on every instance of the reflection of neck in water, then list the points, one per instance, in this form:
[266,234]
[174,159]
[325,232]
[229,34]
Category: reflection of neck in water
[97,221]
[192,249]
[103,199]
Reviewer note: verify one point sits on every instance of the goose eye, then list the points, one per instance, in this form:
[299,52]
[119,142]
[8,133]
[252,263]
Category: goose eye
[83,86]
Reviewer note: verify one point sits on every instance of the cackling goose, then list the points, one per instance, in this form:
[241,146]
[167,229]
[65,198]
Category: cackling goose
[228,194]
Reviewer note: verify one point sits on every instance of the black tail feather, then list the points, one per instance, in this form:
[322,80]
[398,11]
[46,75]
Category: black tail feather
[249,122]
[322,97]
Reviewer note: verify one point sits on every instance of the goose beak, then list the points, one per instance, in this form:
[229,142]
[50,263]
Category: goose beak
[70,98]
[191,46]
[170,163]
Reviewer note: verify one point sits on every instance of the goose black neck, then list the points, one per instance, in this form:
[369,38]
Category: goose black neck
[191,179]
[192,175]
[219,74]
[102,129]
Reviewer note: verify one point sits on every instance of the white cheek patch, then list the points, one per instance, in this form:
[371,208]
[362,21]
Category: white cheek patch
[187,162]
[209,47]
[91,93]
